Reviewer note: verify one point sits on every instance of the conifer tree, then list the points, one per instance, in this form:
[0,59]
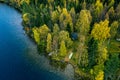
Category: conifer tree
[83,22]
[63,50]
[113,29]
[36,35]
[98,7]
[100,76]
[49,42]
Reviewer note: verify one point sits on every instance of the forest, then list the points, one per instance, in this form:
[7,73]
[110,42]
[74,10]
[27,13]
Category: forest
[85,33]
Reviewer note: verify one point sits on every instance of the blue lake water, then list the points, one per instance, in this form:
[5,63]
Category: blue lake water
[19,59]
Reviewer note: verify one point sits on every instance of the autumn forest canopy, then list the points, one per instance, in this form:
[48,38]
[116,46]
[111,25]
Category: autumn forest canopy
[85,33]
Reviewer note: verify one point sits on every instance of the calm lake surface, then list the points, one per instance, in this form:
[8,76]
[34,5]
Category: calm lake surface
[19,59]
